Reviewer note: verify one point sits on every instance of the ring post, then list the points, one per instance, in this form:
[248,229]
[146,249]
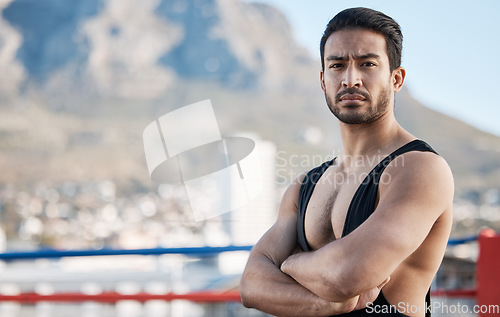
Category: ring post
[488,273]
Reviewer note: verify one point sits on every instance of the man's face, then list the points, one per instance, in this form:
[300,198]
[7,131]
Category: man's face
[358,84]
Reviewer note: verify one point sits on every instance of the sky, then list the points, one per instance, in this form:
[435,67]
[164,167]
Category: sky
[450,49]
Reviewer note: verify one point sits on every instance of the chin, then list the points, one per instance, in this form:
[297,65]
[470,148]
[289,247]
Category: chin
[356,118]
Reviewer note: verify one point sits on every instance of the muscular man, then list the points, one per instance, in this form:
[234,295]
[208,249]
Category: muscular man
[368,229]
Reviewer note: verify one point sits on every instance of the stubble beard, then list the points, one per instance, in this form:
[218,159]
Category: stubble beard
[354,117]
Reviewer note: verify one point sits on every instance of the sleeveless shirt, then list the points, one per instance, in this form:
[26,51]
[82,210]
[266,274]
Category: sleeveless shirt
[361,207]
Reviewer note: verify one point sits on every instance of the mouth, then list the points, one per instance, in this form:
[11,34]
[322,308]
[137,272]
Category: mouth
[352,98]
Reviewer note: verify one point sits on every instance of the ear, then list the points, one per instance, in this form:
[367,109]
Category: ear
[398,78]
[322,80]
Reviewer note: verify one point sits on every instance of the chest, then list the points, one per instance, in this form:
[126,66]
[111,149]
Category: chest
[328,206]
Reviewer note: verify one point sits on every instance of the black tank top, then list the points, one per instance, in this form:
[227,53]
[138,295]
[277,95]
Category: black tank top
[360,208]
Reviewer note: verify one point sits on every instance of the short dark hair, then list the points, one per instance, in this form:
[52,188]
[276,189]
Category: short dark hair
[369,19]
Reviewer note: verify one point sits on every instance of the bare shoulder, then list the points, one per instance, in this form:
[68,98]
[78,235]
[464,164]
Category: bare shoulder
[424,176]
[290,200]
[420,166]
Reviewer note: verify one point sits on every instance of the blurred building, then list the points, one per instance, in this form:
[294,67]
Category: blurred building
[249,222]
[456,273]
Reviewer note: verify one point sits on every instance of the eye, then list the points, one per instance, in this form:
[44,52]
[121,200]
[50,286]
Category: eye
[336,65]
[368,64]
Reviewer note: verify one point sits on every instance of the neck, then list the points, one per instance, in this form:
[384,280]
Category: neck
[379,137]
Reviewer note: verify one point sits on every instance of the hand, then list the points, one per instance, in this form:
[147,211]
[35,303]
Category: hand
[370,295]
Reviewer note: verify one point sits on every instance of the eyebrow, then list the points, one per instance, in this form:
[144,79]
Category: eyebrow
[343,58]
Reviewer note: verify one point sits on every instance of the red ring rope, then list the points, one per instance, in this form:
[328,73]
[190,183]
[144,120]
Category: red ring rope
[113,297]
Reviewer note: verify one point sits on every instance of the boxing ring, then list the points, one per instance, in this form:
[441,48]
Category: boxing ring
[486,293]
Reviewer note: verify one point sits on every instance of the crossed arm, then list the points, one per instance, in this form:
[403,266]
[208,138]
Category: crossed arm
[265,287]
[329,280]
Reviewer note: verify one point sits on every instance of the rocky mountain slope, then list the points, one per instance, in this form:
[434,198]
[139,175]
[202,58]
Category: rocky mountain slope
[79,80]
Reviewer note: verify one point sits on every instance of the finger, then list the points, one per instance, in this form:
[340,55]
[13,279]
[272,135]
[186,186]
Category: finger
[384,282]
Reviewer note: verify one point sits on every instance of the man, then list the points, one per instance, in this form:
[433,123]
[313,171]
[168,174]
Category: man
[365,233]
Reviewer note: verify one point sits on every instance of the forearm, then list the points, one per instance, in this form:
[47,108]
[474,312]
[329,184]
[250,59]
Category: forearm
[266,288]
[323,278]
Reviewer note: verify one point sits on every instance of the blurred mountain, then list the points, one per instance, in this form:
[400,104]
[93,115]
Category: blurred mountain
[79,81]
[122,48]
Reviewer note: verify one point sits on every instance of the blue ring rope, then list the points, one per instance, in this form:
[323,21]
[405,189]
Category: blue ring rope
[194,251]
[51,253]
[452,242]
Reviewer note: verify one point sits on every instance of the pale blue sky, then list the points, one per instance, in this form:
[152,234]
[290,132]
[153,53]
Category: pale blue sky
[450,49]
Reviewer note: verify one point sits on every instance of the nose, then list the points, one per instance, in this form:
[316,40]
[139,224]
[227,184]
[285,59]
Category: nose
[351,77]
